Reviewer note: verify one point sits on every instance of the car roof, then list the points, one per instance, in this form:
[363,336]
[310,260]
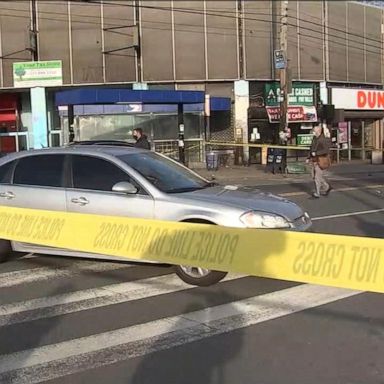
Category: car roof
[83,149]
[120,143]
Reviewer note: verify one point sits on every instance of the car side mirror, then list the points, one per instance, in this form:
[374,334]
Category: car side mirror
[125,187]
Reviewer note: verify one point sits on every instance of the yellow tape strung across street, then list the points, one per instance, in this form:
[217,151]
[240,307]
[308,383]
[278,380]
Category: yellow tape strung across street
[340,261]
[213,143]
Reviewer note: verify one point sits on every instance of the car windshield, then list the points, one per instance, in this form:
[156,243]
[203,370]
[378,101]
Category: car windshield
[163,173]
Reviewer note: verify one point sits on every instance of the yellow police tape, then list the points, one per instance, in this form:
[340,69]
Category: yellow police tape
[218,143]
[340,261]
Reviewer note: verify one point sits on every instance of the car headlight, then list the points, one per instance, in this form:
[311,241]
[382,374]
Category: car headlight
[264,220]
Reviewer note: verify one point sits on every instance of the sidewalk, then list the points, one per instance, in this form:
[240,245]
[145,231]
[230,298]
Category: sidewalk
[257,173]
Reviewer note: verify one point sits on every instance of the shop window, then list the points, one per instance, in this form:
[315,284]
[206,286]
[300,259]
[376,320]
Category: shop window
[194,125]
[356,131]
[369,127]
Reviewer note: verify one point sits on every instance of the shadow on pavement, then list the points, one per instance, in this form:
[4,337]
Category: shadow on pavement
[188,363]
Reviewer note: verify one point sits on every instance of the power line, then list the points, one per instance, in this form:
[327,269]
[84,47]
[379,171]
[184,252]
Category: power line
[188,10]
[333,28]
[147,27]
[318,24]
[334,36]
[341,44]
[196,11]
[210,32]
[311,22]
[105,18]
[192,11]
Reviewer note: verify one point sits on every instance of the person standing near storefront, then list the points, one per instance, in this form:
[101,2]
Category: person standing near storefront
[141,139]
[321,160]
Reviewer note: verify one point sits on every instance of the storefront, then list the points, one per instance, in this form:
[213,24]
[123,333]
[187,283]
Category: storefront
[13,134]
[264,114]
[159,122]
[113,113]
[362,129]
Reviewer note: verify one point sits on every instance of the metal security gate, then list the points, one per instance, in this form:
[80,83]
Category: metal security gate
[194,149]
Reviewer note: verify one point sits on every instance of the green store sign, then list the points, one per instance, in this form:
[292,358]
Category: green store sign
[304,140]
[37,74]
[302,94]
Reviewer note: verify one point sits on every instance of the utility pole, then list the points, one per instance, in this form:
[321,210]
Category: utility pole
[33,33]
[284,70]
[137,40]
[240,37]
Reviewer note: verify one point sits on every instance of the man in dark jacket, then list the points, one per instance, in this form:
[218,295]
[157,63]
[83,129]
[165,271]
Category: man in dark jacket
[141,139]
[320,157]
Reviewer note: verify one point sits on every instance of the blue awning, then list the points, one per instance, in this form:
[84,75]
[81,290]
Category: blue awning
[94,96]
[115,95]
[220,104]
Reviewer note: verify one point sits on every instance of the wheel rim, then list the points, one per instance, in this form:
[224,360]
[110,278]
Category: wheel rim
[195,272]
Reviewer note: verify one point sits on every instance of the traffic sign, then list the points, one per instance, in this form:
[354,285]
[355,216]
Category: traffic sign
[279,59]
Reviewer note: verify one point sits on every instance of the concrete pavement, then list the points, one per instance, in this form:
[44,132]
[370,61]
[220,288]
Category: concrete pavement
[257,173]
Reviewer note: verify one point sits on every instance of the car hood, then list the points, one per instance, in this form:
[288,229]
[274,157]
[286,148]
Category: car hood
[246,198]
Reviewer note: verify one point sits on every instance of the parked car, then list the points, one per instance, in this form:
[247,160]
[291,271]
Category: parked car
[125,181]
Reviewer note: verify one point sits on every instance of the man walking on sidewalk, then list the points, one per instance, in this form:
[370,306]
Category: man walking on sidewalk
[321,160]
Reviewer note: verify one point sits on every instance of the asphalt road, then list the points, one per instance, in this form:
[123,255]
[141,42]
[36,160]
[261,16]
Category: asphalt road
[72,321]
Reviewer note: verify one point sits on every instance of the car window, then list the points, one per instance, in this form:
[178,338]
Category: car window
[163,173]
[6,172]
[42,170]
[96,174]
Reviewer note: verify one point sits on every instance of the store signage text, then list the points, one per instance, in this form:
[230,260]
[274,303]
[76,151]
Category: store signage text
[370,99]
[304,140]
[363,99]
[302,94]
[299,114]
[37,74]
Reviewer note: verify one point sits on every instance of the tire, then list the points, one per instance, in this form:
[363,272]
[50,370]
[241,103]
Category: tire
[5,250]
[198,276]
[191,275]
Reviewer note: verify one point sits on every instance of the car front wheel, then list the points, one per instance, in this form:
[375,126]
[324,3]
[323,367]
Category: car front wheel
[5,250]
[199,276]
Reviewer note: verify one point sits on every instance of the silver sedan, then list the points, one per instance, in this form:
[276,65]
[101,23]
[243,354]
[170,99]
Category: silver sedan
[130,182]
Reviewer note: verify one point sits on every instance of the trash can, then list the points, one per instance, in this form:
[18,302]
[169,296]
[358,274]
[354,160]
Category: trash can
[276,160]
[212,160]
[377,157]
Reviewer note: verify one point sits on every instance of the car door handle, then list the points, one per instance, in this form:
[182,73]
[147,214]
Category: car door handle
[7,195]
[80,201]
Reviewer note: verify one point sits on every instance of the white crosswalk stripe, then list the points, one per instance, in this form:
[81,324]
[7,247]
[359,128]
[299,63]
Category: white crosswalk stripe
[31,366]
[91,298]
[10,279]
[59,358]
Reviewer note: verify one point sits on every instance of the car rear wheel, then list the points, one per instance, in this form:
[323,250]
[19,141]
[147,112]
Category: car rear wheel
[5,250]
[199,276]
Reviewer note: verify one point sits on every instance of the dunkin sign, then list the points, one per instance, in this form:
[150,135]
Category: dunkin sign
[363,99]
